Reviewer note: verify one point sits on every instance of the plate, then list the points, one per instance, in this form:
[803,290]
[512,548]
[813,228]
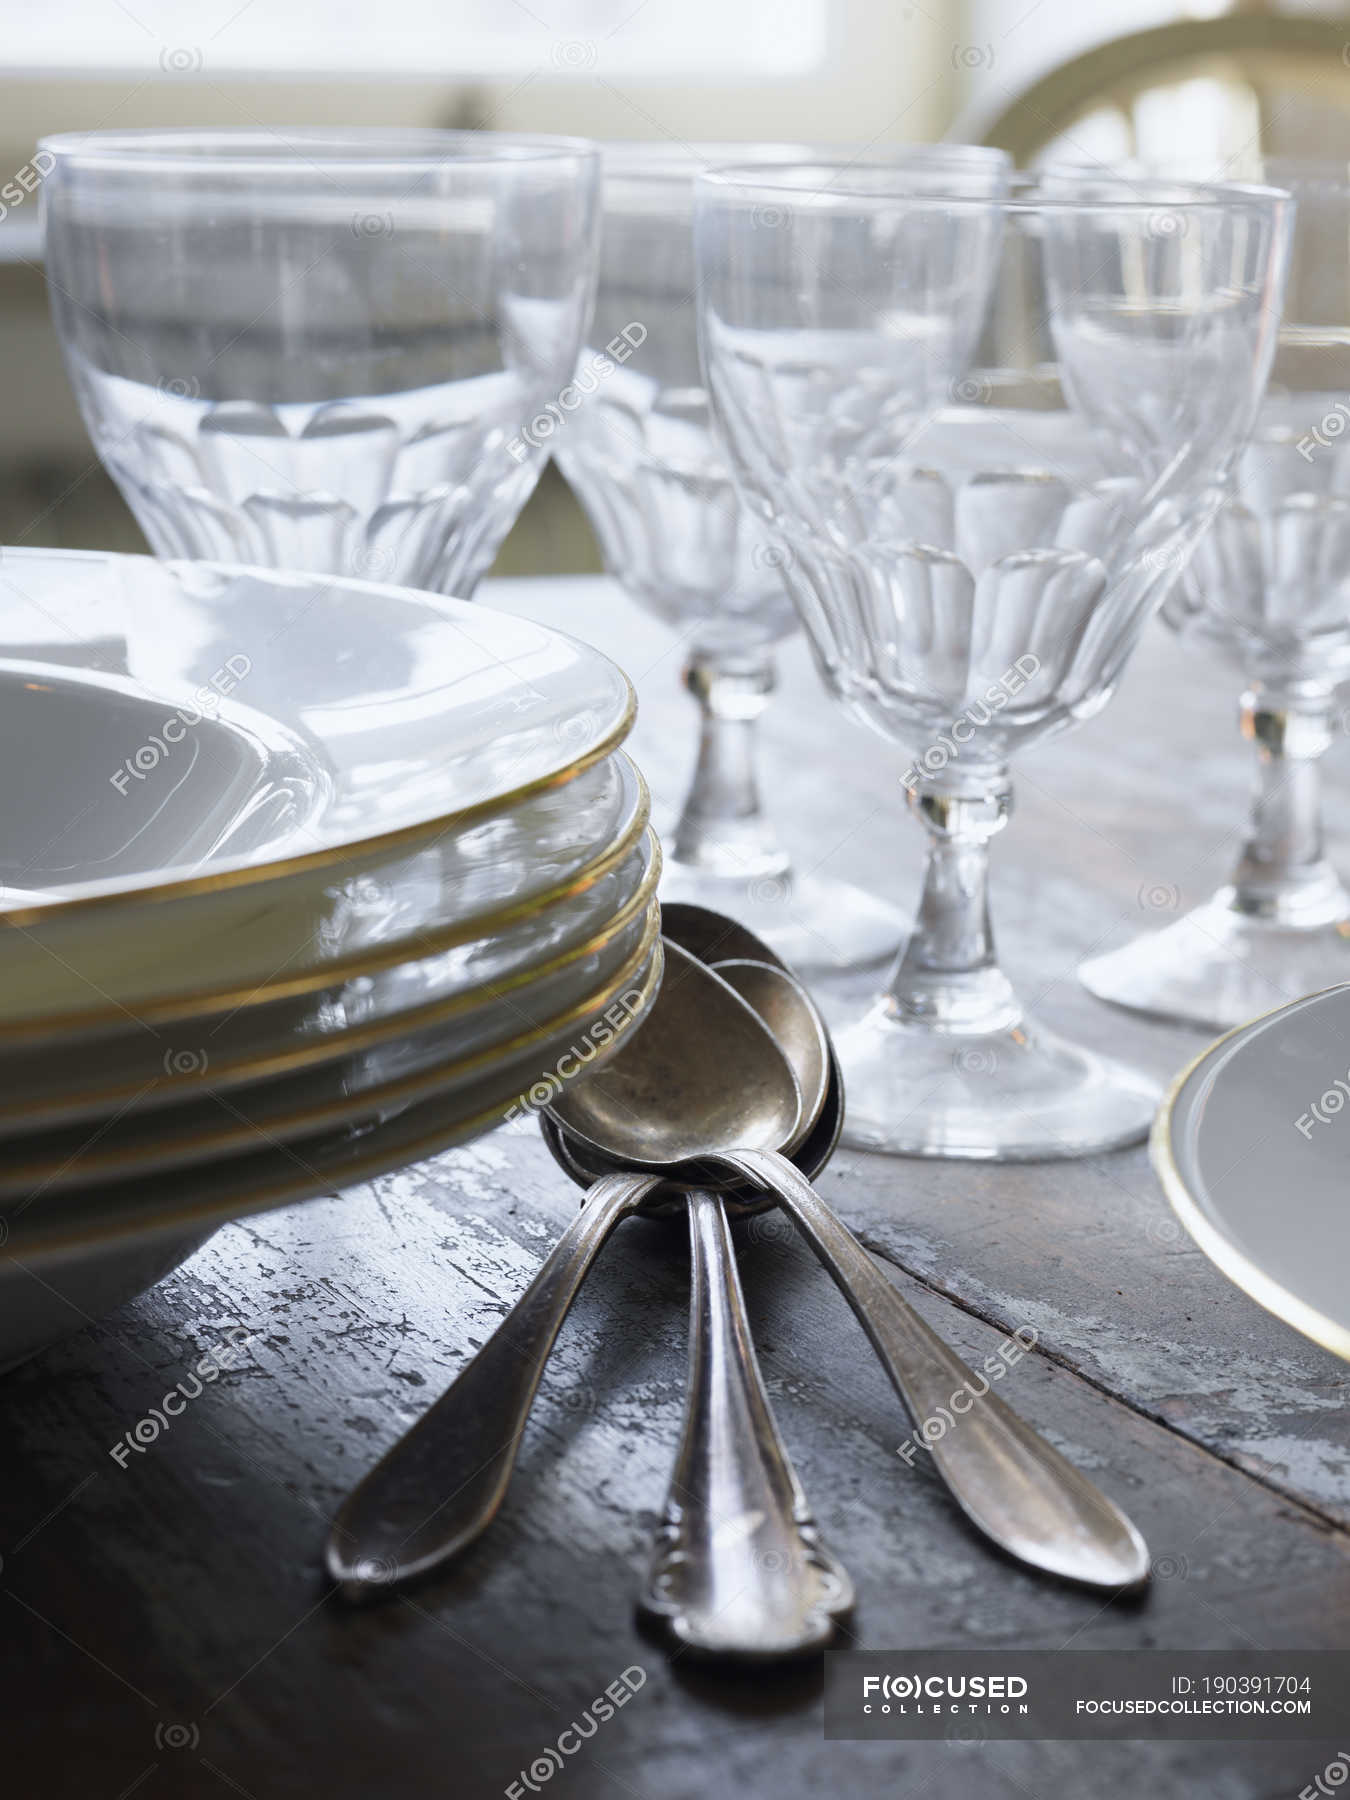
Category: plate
[496,882]
[71,1227]
[1252,1147]
[144,1068]
[442,1057]
[251,723]
[205,751]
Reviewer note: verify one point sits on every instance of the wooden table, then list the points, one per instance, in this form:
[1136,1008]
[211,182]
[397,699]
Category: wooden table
[168,1631]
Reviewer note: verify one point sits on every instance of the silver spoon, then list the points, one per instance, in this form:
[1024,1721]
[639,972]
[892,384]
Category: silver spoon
[792,1590]
[1010,1483]
[739,1568]
[465,1446]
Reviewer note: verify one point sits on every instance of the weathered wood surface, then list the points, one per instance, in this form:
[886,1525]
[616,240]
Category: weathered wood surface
[167,1629]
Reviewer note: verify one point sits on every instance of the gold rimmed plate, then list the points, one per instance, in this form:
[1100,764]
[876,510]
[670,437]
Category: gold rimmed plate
[72,1227]
[256,723]
[407,1065]
[204,756]
[286,943]
[146,1069]
[1252,1145]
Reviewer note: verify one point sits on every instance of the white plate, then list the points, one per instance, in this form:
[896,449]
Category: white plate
[72,1226]
[174,731]
[492,884]
[144,1068]
[1253,1146]
[439,1058]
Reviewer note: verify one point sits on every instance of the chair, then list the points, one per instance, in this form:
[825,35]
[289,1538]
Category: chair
[1206,95]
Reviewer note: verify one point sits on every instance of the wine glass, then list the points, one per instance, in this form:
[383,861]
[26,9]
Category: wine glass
[636,443]
[1269,589]
[972,578]
[317,349]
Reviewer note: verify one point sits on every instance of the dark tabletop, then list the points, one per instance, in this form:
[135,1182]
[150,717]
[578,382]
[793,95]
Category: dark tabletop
[168,1630]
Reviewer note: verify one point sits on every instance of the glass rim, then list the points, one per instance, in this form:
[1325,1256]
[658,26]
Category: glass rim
[1321,171]
[220,149]
[752,153]
[1172,195]
[1333,171]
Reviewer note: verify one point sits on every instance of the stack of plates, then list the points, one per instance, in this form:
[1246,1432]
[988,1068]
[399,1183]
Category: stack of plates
[300,879]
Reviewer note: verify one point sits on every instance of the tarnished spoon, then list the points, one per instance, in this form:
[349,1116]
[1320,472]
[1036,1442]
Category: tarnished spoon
[442,1483]
[1010,1483]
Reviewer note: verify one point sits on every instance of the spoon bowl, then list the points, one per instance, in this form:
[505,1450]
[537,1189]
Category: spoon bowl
[710,1078]
[797,1028]
[586,1166]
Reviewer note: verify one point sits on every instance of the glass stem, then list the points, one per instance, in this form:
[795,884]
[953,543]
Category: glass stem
[948,975]
[1282,874]
[723,829]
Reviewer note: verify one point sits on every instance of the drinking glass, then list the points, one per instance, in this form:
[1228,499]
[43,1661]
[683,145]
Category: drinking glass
[636,444]
[1269,589]
[973,577]
[317,349]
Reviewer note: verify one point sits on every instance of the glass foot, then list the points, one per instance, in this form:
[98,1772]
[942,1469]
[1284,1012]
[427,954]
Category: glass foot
[816,926]
[1017,1095]
[1218,968]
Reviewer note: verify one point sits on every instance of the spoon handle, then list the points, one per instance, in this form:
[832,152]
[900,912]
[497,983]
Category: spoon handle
[441,1484]
[739,1569]
[1009,1482]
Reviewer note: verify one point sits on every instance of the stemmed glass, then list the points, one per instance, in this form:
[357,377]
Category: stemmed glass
[973,578]
[1269,588]
[634,439]
[318,349]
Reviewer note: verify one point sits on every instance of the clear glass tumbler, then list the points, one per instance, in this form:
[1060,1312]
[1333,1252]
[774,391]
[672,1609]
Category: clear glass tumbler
[321,349]
[974,577]
[637,445]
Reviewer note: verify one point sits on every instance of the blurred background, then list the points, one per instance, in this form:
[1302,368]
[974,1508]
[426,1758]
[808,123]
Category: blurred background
[1212,84]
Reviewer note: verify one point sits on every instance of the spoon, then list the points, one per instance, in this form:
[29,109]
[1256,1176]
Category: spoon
[1009,1482]
[739,1567]
[465,1446]
[759,1587]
